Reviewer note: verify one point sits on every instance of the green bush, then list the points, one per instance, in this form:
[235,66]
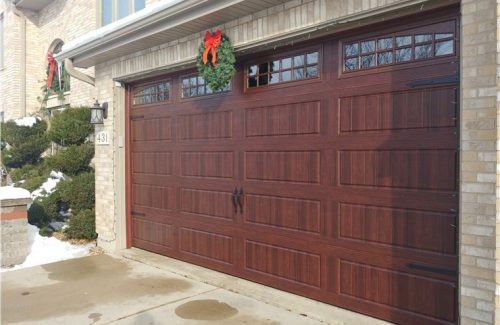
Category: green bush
[29,171]
[33,183]
[82,226]
[79,192]
[45,209]
[25,172]
[28,152]
[71,126]
[46,231]
[27,143]
[16,135]
[73,159]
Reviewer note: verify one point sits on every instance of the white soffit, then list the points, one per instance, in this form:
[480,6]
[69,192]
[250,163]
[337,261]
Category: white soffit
[33,5]
[157,24]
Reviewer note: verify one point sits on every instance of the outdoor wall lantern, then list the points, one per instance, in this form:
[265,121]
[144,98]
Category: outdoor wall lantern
[98,113]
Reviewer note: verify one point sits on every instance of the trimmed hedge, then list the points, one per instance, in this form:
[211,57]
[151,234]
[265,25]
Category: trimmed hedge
[16,135]
[71,126]
[78,193]
[82,226]
[28,152]
[46,209]
[33,183]
[27,143]
[73,159]
[29,171]
[46,231]
[25,172]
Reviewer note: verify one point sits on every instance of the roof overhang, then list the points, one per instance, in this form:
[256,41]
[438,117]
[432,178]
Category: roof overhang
[170,20]
[157,24]
[33,5]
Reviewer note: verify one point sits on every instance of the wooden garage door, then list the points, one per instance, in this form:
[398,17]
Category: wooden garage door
[329,170]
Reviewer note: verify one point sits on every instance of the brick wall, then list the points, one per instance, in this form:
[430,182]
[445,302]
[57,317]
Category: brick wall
[66,20]
[10,95]
[60,19]
[478,161]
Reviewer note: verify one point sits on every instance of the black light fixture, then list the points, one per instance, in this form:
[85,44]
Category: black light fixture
[98,113]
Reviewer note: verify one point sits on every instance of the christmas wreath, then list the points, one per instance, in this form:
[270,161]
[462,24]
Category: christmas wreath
[57,77]
[215,60]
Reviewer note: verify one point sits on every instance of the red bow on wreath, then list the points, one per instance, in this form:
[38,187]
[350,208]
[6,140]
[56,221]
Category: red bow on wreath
[52,69]
[212,42]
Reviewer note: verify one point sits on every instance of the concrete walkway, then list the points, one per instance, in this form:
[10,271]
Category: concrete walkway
[106,289]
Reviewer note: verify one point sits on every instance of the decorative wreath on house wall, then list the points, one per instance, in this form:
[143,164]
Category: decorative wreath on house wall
[215,60]
[57,77]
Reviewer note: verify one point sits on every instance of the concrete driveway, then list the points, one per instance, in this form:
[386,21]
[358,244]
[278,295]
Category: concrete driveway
[144,288]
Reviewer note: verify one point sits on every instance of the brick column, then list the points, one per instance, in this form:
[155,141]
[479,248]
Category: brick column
[478,172]
[14,223]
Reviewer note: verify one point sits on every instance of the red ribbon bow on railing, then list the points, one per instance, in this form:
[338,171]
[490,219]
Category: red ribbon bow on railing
[52,69]
[212,42]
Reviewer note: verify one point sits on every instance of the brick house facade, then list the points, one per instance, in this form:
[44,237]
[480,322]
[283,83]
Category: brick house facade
[27,39]
[295,21]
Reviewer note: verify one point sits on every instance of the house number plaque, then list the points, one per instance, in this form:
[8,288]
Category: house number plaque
[102,138]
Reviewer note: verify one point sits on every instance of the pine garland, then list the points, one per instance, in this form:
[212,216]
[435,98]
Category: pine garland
[218,76]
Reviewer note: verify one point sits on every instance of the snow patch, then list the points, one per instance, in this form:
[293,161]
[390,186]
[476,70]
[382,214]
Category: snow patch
[58,175]
[45,250]
[48,186]
[10,193]
[27,121]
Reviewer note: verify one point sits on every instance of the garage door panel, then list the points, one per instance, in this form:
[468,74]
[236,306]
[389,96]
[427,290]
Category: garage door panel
[160,197]
[207,245]
[284,212]
[154,232]
[298,266]
[213,125]
[152,129]
[398,290]
[283,120]
[421,230]
[398,198]
[442,138]
[216,164]
[146,163]
[206,203]
[412,109]
[189,146]
[283,166]
[153,247]
[438,201]
[412,169]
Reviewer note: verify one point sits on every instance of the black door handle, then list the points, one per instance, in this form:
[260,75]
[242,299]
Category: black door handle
[234,198]
[240,199]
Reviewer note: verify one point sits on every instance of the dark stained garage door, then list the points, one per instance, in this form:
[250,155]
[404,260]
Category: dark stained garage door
[328,170]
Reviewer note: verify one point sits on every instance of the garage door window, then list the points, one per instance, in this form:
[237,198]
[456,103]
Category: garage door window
[396,49]
[153,93]
[290,68]
[195,86]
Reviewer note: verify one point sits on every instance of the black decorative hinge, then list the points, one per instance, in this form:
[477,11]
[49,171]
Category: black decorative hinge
[454,79]
[139,214]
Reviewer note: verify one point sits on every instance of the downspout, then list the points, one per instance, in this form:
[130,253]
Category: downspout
[70,69]
[22,71]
